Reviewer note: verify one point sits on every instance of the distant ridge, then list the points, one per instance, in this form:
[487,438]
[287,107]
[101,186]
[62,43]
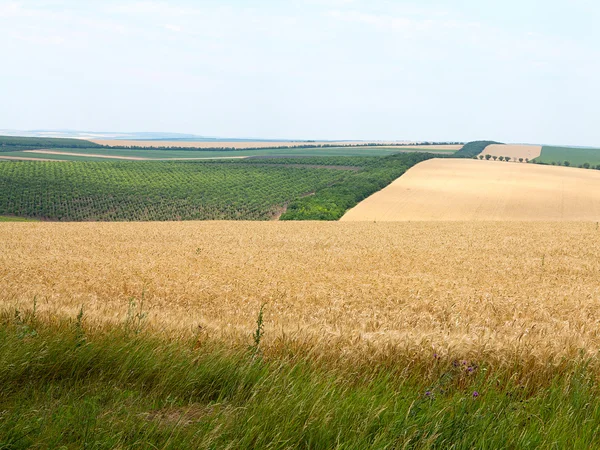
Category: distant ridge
[156,136]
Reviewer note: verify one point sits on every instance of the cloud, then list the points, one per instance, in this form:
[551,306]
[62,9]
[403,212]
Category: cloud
[154,8]
[175,28]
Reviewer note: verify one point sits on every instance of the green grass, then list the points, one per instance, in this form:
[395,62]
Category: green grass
[166,154]
[15,219]
[107,191]
[65,386]
[576,156]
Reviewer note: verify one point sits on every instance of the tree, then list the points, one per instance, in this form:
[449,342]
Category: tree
[567,163]
[495,157]
[586,165]
[487,157]
[500,158]
[480,156]
[507,158]
[526,160]
[521,160]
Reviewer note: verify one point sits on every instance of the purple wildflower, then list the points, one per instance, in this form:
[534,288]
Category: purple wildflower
[475,394]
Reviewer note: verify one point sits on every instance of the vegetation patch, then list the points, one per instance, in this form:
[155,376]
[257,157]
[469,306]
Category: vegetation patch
[472,149]
[570,156]
[15,219]
[125,191]
[249,189]
[17,143]
[331,202]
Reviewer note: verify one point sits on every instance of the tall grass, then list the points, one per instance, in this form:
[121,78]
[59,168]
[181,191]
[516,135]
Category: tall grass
[65,385]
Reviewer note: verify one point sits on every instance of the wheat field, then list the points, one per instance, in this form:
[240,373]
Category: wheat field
[466,189]
[493,291]
[513,151]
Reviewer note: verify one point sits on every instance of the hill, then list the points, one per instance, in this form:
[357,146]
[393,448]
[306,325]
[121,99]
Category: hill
[466,189]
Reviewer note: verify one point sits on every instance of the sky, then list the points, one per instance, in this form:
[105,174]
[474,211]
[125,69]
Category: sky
[520,71]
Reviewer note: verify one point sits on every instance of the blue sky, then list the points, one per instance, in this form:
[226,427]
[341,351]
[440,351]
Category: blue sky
[514,71]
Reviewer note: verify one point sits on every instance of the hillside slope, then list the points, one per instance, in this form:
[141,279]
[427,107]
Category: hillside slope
[466,189]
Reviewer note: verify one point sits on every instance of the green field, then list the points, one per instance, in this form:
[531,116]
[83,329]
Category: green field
[77,191]
[201,154]
[258,189]
[67,386]
[15,219]
[17,143]
[42,157]
[575,155]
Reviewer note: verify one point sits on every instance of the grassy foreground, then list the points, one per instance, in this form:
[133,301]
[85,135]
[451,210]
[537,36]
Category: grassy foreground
[67,386]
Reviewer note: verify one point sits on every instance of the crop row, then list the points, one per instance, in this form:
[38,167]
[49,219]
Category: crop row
[107,191]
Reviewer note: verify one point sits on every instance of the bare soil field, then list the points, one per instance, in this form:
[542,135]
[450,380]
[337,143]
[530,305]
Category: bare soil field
[467,189]
[500,291]
[513,151]
[254,144]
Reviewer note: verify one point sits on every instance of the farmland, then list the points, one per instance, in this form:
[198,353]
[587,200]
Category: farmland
[514,152]
[465,189]
[425,289]
[420,334]
[78,191]
[466,307]
[576,156]
[99,154]
[149,190]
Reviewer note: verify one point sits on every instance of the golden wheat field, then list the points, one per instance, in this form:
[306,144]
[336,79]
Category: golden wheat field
[467,189]
[513,151]
[497,291]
